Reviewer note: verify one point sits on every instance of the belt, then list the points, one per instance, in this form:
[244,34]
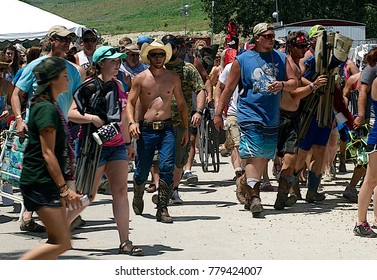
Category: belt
[157,125]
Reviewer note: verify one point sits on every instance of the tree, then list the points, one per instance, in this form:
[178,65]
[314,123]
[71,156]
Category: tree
[247,13]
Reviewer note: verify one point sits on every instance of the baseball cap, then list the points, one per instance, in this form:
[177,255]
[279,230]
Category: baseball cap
[48,70]
[90,30]
[144,39]
[262,27]
[314,30]
[106,52]
[131,48]
[60,30]
[170,39]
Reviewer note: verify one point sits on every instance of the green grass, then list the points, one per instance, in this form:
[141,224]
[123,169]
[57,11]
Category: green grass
[129,16]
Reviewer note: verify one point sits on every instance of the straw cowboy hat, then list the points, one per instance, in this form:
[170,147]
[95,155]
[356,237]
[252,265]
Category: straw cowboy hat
[155,45]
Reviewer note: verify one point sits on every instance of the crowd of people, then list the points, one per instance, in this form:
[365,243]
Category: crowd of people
[160,88]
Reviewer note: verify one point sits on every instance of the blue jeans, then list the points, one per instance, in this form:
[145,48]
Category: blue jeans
[149,141]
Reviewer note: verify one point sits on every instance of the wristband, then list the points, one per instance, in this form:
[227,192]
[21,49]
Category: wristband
[218,115]
[311,87]
[18,117]
[199,111]
[65,193]
[358,116]
[127,144]
[62,185]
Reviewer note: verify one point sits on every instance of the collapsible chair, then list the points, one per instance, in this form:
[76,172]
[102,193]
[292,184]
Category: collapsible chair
[209,141]
[11,157]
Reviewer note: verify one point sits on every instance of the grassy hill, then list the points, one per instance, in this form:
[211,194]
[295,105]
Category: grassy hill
[129,16]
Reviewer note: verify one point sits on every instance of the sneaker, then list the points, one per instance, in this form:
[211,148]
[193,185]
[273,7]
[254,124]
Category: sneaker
[175,198]
[350,194]
[77,223]
[364,230]
[31,226]
[266,187]
[190,178]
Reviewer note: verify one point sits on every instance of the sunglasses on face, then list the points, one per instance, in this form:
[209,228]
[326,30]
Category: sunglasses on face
[107,53]
[89,40]
[67,39]
[268,36]
[155,55]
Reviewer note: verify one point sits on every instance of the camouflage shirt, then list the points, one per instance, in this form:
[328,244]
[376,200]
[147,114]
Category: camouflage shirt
[191,81]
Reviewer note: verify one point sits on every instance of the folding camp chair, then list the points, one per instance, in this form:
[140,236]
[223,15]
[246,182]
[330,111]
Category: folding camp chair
[11,157]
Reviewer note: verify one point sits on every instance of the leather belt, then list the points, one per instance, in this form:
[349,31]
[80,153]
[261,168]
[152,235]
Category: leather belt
[157,125]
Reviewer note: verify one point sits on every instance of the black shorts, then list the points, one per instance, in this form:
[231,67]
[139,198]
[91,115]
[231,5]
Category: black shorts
[288,133]
[39,195]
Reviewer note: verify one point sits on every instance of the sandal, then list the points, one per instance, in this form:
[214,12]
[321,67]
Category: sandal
[133,252]
[31,226]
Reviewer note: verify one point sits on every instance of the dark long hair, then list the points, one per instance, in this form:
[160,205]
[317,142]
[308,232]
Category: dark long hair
[16,60]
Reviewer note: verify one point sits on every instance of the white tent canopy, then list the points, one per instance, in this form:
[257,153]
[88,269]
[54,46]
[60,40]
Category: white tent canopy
[31,22]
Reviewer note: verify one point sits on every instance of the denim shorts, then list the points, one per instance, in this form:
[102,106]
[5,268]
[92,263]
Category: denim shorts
[111,153]
[258,141]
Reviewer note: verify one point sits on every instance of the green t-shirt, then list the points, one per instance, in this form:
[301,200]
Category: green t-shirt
[34,170]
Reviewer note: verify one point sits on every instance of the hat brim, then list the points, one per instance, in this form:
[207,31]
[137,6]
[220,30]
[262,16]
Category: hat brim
[146,48]
[65,33]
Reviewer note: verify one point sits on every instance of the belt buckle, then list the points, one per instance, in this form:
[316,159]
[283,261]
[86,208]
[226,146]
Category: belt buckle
[157,125]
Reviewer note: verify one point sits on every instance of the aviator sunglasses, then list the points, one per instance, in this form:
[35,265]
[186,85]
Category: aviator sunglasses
[89,40]
[155,55]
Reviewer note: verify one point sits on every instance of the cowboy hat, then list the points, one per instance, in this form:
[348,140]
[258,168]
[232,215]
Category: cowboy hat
[155,45]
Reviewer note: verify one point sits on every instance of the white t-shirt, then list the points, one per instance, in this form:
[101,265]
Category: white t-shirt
[232,107]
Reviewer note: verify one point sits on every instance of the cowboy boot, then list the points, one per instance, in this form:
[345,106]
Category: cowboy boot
[138,202]
[313,182]
[241,189]
[342,164]
[253,199]
[282,194]
[164,194]
[294,190]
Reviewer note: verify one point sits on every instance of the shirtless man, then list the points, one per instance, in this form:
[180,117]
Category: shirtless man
[288,129]
[154,88]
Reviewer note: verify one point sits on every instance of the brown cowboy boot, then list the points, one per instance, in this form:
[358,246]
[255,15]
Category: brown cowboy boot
[164,194]
[241,189]
[138,202]
[253,200]
[282,195]
[294,190]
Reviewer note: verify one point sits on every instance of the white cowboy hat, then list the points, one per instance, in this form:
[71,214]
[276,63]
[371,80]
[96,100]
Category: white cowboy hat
[155,45]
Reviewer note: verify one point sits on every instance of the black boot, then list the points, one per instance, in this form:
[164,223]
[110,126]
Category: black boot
[313,182]
[138,202]
[164,194]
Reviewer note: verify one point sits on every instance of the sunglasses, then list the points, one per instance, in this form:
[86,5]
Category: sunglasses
[107,53]
[302,46]
[155,55]
[268,36]
[67,39]
[89,40]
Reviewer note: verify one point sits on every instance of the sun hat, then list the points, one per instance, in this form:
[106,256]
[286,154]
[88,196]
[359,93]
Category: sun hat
[48,70]
[106,52]
[261,28]
[314,30]
[131,48]
[144,39]
[155,45]
[61,31]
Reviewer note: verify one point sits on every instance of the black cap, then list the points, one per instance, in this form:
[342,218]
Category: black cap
[170,39]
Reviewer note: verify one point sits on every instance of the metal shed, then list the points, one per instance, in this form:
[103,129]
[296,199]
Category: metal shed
[353,30]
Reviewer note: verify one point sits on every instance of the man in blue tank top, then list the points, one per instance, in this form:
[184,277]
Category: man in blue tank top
[263,73]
